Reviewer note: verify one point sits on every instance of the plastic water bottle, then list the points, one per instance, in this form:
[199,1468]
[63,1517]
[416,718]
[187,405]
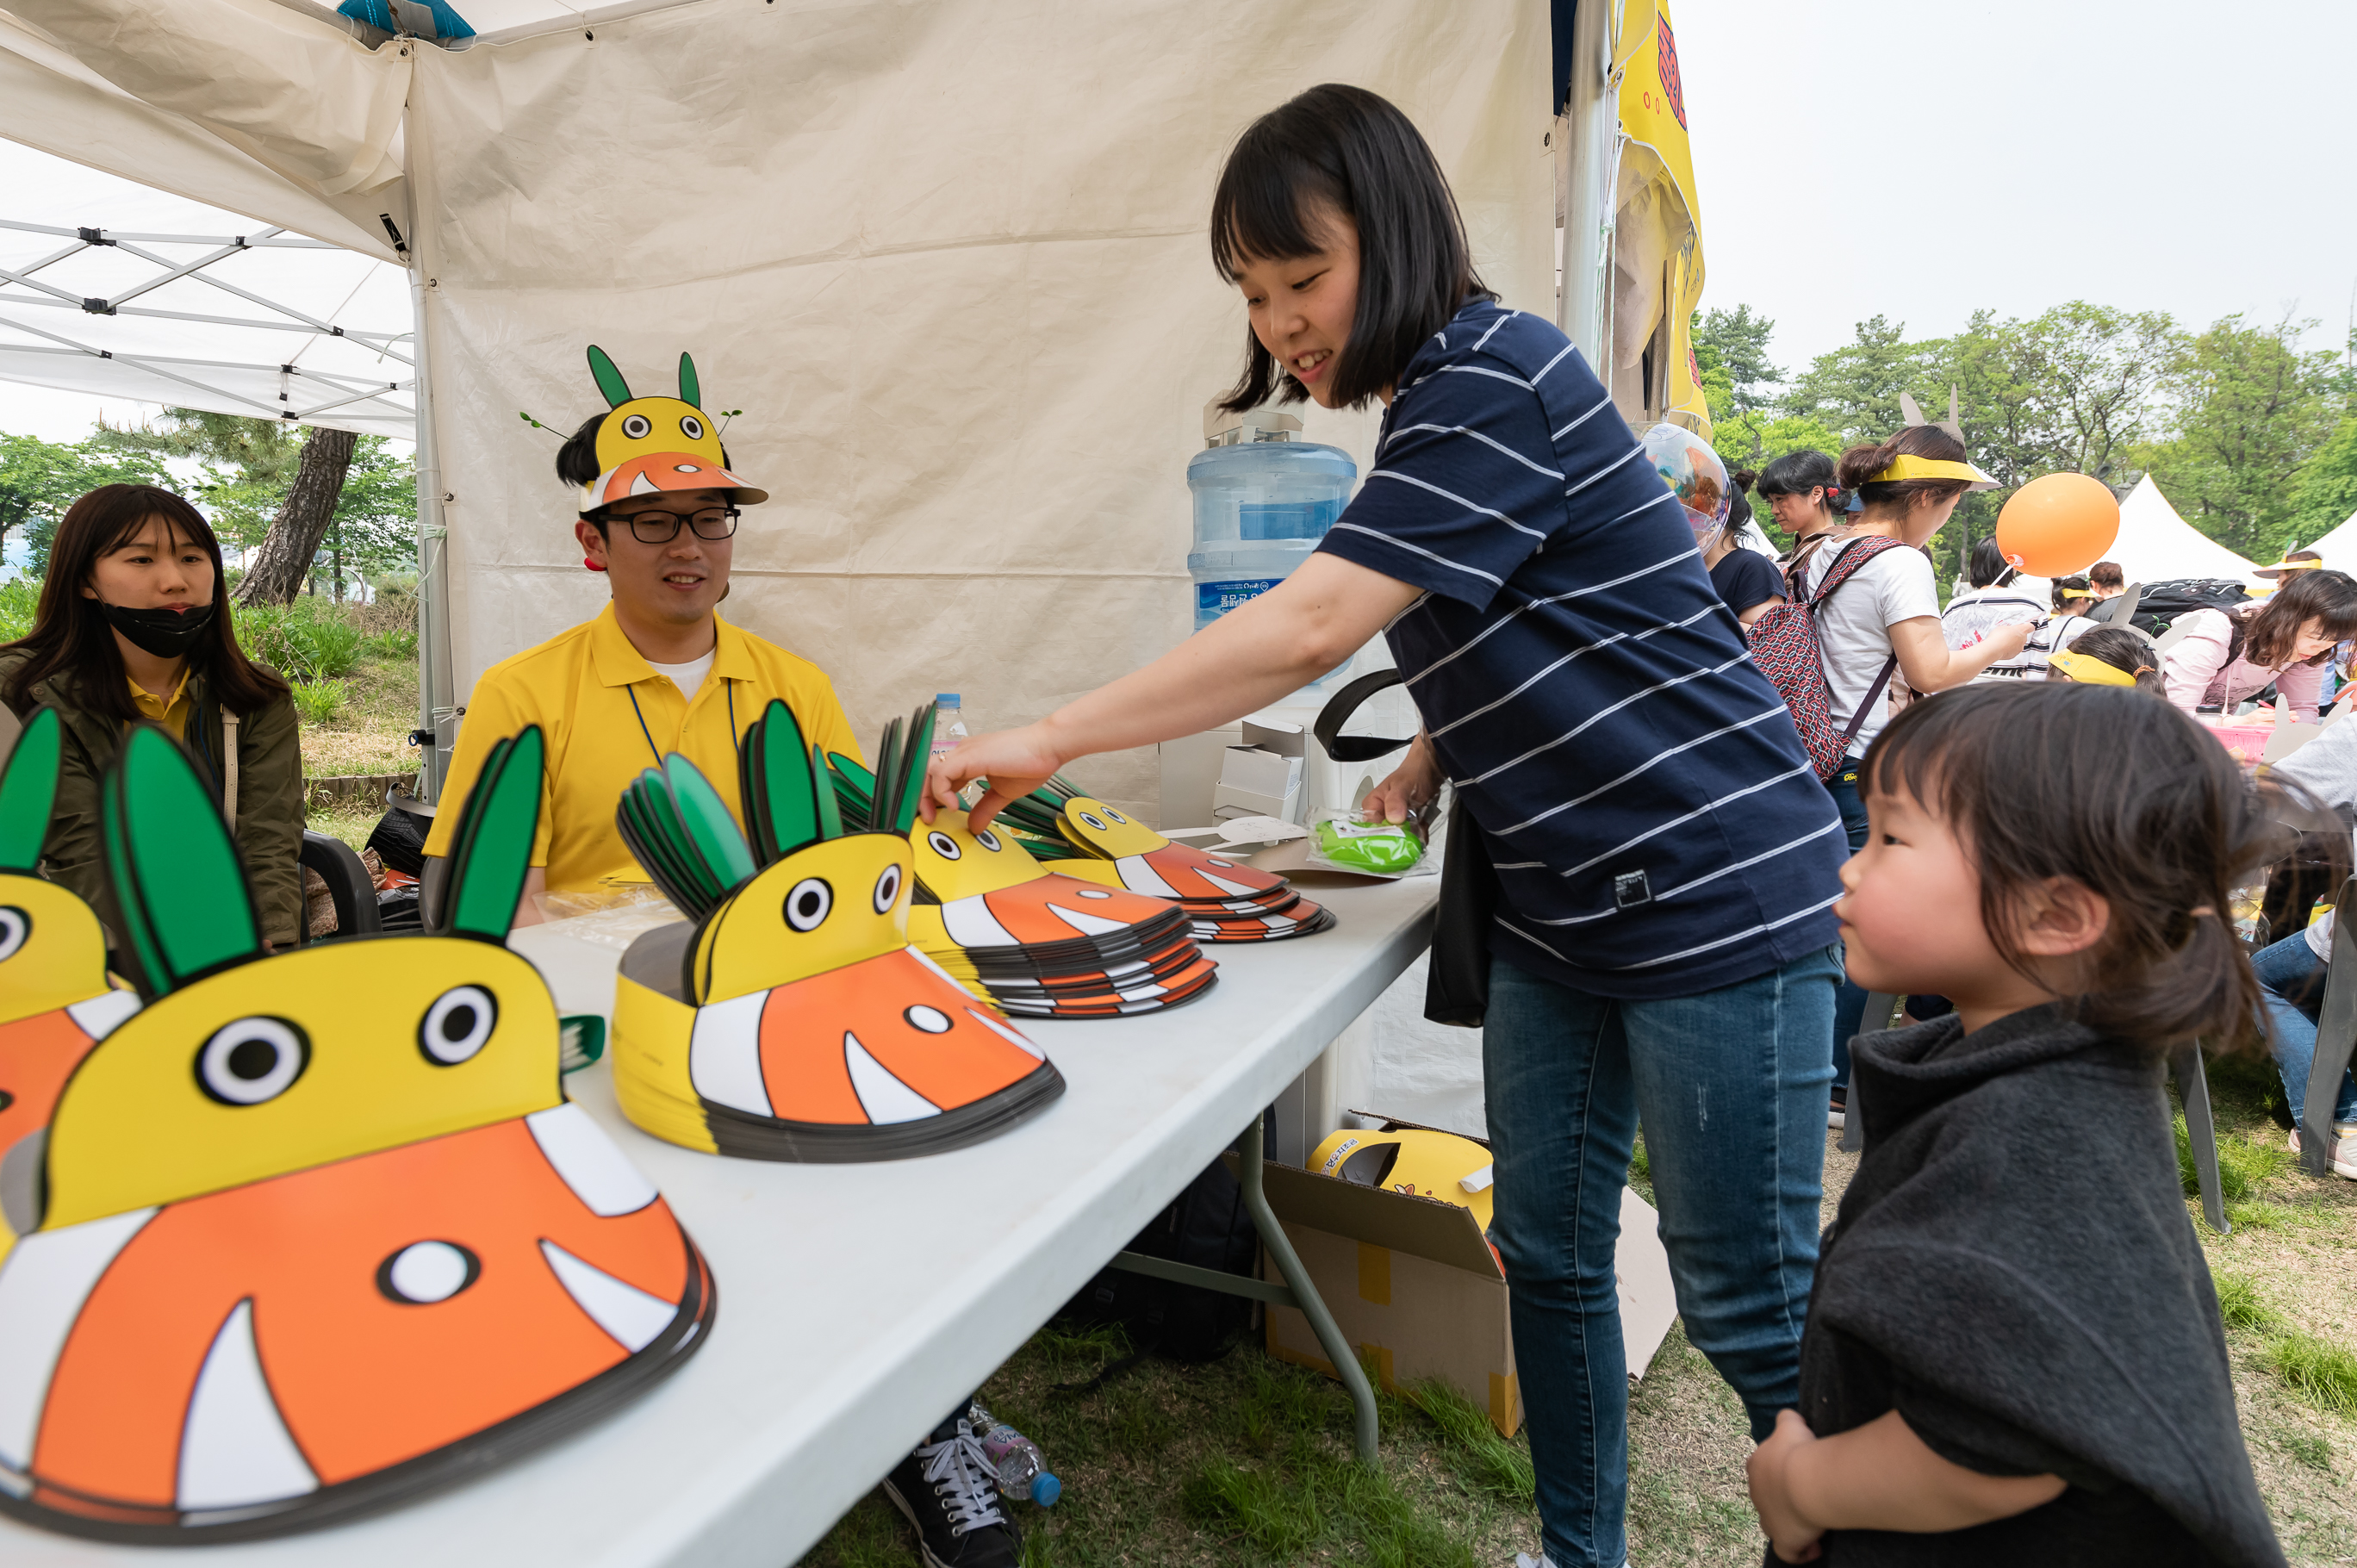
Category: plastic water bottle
[1022,1469]
[948,724]
[1262,500]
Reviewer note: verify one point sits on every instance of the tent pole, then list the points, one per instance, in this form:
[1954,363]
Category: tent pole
[436,703]
[1590,128]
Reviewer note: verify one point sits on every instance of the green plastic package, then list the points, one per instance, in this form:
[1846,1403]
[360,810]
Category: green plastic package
[1384,848]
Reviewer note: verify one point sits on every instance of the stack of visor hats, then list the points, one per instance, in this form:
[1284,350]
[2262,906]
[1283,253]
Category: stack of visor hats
[789,1018]
[313,1232]
[1227,900]
[1038,943]
[56,999]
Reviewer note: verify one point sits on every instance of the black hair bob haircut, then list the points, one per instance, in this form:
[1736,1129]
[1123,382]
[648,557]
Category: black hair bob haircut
[1988,564]
[1798,473]
[1346,149]
[577,462]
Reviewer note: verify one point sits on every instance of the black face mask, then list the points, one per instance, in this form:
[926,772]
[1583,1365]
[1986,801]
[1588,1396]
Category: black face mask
[166,633]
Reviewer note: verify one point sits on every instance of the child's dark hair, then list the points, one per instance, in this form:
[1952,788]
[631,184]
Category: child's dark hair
[1861,463]
[2126,651]
[2129,798]
[1989,565]
[1347,149]
[2069,588]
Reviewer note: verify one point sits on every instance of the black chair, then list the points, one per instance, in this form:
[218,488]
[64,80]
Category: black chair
[348,883]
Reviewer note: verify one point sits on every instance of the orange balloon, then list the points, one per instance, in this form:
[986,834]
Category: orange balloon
[2058,525]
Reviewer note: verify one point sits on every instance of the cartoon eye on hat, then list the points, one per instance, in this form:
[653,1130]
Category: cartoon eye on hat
[791,1020]
[289,1257]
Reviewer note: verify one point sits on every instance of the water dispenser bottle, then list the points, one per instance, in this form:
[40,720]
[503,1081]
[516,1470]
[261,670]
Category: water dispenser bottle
[1262,500]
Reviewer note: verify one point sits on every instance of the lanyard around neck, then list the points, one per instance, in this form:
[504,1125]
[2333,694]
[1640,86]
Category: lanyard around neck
[726,686]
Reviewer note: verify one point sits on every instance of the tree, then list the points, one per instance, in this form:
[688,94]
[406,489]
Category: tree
[278,568]
[2324,494]
[2250,409]
[1735,342]
[375,526]
[248,464]
[1854,391]
[40,479]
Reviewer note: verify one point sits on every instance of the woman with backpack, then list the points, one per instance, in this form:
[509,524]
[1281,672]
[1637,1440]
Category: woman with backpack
[1666,860]
[1876,607]
[2229,656]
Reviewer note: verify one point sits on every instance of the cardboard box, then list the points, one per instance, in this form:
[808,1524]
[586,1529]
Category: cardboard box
[1413,1283]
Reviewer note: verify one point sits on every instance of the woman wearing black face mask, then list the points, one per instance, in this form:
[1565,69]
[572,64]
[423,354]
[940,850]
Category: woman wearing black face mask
[134,627]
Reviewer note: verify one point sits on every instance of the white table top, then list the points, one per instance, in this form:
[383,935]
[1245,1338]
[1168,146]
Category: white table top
[858,1303]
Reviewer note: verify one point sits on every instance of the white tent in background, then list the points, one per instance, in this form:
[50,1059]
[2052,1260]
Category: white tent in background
[2339,548]
[2156,545]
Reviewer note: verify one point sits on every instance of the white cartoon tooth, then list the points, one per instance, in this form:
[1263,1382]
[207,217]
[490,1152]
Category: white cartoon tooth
[884,1097]
[235,1450]
[724,1053]
[620,1308]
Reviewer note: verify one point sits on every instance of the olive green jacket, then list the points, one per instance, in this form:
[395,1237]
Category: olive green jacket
[269,795]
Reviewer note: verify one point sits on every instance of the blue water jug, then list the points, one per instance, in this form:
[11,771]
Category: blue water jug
[1262,500]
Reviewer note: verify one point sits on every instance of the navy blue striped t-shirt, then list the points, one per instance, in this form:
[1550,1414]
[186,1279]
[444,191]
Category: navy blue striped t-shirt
[1656,825]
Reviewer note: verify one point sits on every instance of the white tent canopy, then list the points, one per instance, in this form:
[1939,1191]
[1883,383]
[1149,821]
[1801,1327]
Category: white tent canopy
[2156,545]
[2338,549]
[949,257]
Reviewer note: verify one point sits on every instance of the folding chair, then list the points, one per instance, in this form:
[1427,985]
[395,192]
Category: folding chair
[2336,1035]
[348,883]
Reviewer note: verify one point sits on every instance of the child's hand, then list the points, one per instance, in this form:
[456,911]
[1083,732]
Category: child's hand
[1792,1536]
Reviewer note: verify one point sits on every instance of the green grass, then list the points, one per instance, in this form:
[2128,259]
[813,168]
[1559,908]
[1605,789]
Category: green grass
[2243,1168]
[310,639]
[2322,1373]
[319,702]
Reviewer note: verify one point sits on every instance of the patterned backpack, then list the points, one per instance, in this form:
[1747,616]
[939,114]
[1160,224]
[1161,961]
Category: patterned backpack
[1785,645]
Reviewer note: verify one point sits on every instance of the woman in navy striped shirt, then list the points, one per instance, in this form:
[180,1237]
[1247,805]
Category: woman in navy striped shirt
[1666,856]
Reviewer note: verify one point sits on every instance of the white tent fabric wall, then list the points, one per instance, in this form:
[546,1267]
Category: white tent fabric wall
[949,258]
[2156,545]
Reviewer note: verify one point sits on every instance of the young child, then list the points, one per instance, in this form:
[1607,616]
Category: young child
[2013,1352]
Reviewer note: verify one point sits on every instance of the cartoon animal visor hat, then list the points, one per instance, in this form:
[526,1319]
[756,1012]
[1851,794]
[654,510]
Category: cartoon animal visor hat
[314,1232]
[1906,465]
[793,1020]
[55,1003]
[649,445]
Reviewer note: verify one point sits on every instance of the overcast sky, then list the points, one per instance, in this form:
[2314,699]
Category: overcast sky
[1921,161]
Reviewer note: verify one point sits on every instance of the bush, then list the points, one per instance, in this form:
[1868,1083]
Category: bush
[400,644]
[310,639]
[318,701]
[18,596]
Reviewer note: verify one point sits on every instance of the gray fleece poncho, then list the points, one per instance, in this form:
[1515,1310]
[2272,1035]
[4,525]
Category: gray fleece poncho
[2013,1269]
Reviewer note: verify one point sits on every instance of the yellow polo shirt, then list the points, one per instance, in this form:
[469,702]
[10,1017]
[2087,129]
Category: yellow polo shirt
[607,716]
[172,713]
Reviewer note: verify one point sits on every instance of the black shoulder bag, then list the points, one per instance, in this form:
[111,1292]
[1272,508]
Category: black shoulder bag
[1457,985]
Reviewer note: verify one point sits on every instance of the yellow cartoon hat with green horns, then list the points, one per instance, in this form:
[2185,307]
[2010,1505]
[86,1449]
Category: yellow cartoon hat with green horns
[649,445]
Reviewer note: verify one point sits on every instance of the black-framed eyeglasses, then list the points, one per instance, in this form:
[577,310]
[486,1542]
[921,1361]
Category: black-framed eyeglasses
[655,526]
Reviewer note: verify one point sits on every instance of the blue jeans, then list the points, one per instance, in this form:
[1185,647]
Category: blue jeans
[1731,1088]
[2292,980]
[1849,1007]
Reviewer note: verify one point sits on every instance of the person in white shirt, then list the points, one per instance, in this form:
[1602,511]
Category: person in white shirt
[1884,619]
[1993,601]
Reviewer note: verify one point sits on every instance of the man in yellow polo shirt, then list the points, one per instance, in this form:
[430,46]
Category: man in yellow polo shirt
[657,670]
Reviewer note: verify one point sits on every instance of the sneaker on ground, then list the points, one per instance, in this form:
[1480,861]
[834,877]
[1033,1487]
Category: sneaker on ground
[946,1489]
[1837,1114]
[2341,1155]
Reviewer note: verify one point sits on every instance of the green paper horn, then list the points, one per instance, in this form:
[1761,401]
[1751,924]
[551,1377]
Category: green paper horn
[488,874]
[610,380]
[28,787]
[690,391]
[829,817]
[916,768]
[790,780]
[183,896]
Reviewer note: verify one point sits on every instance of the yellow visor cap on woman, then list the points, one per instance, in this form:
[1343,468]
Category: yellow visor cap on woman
[2090,670]
[1908,467]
